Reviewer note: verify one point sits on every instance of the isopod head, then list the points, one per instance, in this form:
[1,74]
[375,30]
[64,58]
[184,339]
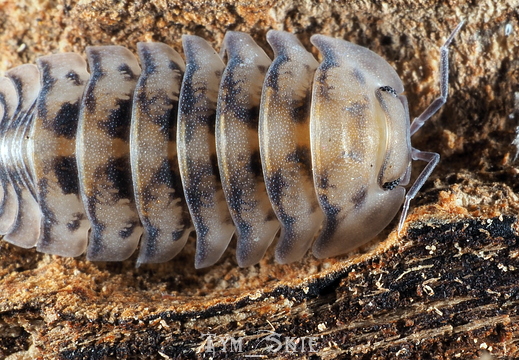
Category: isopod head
[361,149]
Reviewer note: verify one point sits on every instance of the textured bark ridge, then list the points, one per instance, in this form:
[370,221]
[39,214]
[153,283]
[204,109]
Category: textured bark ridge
[445,288]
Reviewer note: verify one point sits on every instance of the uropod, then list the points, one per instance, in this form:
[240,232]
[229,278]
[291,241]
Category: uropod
[114,154]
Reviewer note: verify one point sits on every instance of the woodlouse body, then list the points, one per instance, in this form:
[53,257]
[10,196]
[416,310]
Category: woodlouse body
[123,155]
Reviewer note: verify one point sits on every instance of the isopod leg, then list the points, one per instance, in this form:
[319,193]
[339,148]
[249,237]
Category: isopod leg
[431,158]
[444,85]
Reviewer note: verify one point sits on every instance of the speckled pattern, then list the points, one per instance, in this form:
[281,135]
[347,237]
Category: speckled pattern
[53,155]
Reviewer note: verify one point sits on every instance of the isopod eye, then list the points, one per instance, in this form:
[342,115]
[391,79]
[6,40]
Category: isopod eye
[390,185]
[389,89]
[395,147]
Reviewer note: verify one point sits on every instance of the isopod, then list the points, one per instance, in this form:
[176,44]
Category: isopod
[137,156]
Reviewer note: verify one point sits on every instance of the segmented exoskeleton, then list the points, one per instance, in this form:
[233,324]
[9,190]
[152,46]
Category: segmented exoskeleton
[124,156]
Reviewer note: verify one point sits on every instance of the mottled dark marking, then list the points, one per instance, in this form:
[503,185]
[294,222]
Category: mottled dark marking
[358,107]
[331,221]
[255,164]
[202,245]
[214,165]
[272,80]
[330,57]
[97,73]
[96,244]
[165,175]
[19,90]
[244,229]
[362,116]
[323,181]
[230,88]
[49,218]
[117,171]
[357,74]
[271,215]
[128,231]
[197,172]
[6,109]
[231,43]
[74,77]
[300,109]
[148,65]
[47,83]
[356,155]
[66,120]
[74,224]
[359,198]
[324,88]
[161,176]
[390,185]
[328,63]
[91,203]
[177,235]
[201,232]
[4,122]
[235,198]
[275,184]
[302,156]
[321,79]
[152,234]
[262,69]
[287,221]
[162,100]
[118,123]
[65,169]
[189,97]
[167,120]
[172,65]
[125,69]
